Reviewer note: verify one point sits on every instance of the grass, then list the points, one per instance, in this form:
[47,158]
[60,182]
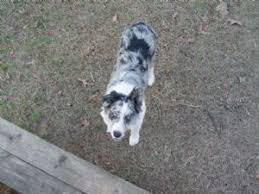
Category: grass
[46,47]
[3,67]
[200,6]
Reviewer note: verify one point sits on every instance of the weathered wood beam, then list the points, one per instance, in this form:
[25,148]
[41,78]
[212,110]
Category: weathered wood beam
[25,178]
[60,164]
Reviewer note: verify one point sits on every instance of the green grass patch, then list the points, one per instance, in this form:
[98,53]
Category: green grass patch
[37,43]
[3,66]
[35,116]
[199,56]
[200,6]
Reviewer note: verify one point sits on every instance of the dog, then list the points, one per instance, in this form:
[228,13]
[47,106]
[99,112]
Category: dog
[123,107]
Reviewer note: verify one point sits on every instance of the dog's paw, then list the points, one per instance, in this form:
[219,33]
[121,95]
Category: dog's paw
[133,141]
[151,80]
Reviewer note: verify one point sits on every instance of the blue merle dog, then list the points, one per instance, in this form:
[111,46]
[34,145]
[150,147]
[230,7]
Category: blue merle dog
[123,105]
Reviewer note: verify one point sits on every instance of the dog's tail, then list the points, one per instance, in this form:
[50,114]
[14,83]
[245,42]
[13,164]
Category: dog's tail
[139,37]
[142,25]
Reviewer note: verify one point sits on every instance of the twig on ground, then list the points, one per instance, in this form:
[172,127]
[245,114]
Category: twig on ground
[217,130]
[92,77]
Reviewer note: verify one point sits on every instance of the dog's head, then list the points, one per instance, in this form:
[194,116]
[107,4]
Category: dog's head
[119,111]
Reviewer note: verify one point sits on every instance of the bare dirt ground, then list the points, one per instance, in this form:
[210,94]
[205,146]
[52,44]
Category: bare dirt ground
[6,190]
[201,130]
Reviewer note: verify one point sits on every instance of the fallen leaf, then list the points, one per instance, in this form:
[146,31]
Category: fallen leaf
[83,81]
[175,14]
[13,55]
[257,175]
[50,33]
[7,76]
[187,39]
[234,22]
[222,8]
[190,40]
[204,25]
[94,98]
[35,75]
[60,93]
[202,30]
[30,62]
[24,27]
[241,79]
[84,122]
[115,18]
[175,17]
[69,104]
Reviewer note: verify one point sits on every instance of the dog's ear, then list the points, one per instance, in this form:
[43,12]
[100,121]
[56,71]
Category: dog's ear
[110,98]
[135,97]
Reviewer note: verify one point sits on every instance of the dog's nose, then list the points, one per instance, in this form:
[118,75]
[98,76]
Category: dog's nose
[117,134]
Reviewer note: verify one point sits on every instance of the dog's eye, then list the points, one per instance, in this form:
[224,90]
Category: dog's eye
[127,119]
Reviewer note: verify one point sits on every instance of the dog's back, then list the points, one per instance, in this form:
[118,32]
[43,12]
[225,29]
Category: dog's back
[139,38]
[135,55]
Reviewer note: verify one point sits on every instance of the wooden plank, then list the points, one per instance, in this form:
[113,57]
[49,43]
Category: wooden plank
[66,167]
[27,179]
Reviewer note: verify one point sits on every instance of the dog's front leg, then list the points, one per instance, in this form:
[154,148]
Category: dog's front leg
[134,136]
[106,121]
[135,128]
[151,75]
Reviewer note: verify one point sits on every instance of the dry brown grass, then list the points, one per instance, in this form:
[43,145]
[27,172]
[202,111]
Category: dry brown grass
[200,133]
[6,190]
